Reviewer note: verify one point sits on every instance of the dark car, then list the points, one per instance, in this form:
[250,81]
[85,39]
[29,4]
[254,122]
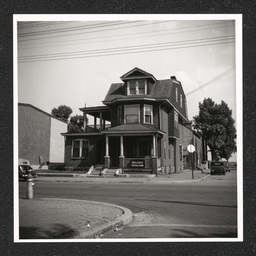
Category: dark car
[218,167]
[24,170]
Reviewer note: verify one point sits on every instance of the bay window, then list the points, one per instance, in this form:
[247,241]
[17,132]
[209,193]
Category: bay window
[132,113]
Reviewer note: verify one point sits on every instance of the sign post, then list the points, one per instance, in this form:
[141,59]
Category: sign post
[191,150]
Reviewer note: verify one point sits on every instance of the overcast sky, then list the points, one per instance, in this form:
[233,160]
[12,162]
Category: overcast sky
[73,62]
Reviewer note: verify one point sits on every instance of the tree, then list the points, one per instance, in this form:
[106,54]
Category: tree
[63,112]
[217,126]
[76,124]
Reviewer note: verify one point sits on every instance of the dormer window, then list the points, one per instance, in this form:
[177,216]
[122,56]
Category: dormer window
[132,87]
[181,100]
[137,87]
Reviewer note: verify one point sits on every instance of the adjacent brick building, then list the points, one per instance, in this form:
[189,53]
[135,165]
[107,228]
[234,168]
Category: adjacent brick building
[39,136]
[143,126]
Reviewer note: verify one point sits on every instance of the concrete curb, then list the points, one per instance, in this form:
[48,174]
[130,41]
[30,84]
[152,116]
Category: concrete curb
[97,231]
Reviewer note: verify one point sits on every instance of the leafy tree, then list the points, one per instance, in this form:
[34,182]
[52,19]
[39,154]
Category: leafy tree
[217,127]
[76,124]
[62,112]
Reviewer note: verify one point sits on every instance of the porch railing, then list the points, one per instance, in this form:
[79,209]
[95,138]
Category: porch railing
[92,128]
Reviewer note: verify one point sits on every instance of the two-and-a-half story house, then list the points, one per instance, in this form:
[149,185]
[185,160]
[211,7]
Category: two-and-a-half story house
[140,128]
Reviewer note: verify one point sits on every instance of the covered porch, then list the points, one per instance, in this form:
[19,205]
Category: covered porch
[132,151]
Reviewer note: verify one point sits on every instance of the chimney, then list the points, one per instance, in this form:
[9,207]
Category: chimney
[173,77]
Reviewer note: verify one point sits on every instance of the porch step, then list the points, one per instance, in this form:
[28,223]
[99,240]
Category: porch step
[110,172]
[97,170]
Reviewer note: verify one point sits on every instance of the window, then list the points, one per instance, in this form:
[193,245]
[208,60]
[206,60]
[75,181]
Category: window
[148,114]
[138,87]
[181,100]
[132,87]
[181,152]
[142,87]
[159,147]
[132,113]
[80,148]
[119,114]
[176,94]
[164,149]
[176,120]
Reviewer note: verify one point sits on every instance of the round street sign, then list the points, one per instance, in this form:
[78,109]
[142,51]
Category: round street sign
[191,148]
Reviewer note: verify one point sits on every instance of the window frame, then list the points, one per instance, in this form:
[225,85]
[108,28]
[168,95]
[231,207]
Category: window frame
[125,113]
[176,120]
[137,87]
[80,154]
[151,113]
[176,94]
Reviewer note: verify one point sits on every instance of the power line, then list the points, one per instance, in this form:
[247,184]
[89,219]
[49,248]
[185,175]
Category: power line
[205,40]
[68,29]
[116,39]
[122,53]
[133,26]
[128,34]
[230,70]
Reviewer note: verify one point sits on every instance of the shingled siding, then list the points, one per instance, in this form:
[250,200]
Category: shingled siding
[93,153]
[33,134]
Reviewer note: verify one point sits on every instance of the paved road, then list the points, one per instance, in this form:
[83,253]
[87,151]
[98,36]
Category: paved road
[204,209]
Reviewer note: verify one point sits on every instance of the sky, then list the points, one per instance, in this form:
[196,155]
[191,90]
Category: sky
[73,60]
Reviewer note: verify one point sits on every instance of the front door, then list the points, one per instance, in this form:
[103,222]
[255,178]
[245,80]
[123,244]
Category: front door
[114,151]
[100,152]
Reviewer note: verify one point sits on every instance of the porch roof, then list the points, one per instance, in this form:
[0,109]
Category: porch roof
[95,111]
[133,129]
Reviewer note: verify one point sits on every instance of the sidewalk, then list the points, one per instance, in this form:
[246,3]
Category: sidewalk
[184,176]
[53,218]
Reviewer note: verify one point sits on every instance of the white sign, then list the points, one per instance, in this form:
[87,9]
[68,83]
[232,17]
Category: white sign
[191,148]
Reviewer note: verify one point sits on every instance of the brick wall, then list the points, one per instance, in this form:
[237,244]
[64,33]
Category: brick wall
[94,151]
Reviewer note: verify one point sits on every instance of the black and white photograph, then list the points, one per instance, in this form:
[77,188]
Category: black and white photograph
[128,128]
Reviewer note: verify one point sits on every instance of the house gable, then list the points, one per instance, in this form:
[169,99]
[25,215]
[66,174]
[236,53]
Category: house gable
[137,73]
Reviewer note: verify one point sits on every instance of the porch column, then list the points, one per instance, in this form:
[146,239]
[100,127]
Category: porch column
[154,158]
[107,157]
[95,122]
[121,146]
[154,145]
[104,124]
[84,122]
[100,121]
[121,157]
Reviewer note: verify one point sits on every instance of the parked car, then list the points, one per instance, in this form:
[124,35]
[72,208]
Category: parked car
[219,167]
[24,170]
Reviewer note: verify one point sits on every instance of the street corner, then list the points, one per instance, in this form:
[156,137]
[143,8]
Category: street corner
[55,218]
[115,224]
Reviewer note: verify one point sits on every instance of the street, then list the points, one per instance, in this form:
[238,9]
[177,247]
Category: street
[206,209]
